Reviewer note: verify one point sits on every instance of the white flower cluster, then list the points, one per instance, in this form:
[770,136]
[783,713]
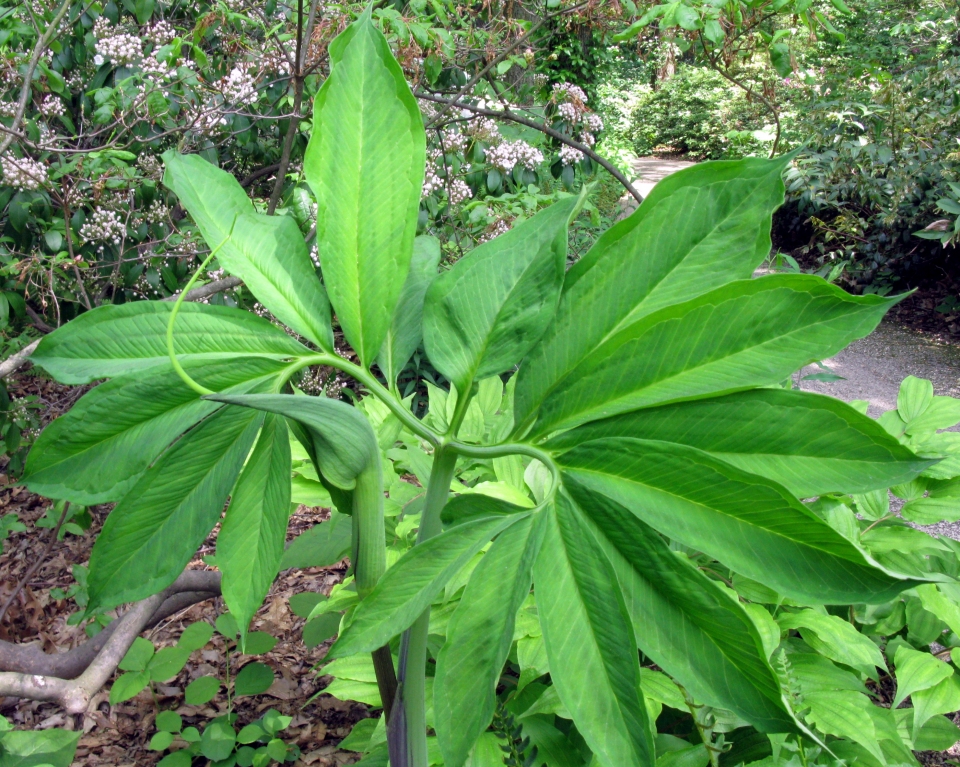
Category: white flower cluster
[510,153]
[481,128]
[570,155]
[568,112]
[7,108]
[103,226]
[23,173]
[156,213]
[155,70]
[150,166]
[431,182]
[102,28]
[238,87]
[571,106]
[209,120]
[457,189]
[121,49]
[593,122]
[454,141]
[160,32]
[51,106]
[568,92]
[500,227]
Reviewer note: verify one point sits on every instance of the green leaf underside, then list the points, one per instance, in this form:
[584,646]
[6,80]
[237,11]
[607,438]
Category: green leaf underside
[342,438]
[470,506]
[97,450]
[590,641]
[155,530]
[746,334]
[250,542]
[365,164]
[749,523]
[131,338]
[267,252]
[809,443]
[685,622]
[660,255]
[406,328]
[479,636]
[492,306]
[411,584]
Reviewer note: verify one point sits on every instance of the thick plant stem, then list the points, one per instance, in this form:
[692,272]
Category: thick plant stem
[370,562]
[407,736]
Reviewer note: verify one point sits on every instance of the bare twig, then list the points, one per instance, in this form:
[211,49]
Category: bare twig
[25,91]
[75,694]
[37,563]
[506,114]
[16,361]
[211,288]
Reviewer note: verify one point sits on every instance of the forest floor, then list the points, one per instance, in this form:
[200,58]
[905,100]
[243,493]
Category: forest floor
[119,735]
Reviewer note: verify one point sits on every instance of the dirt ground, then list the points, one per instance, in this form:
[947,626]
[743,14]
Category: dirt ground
[119,735]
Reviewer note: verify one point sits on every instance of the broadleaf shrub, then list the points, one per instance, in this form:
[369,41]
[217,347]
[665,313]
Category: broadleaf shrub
[579,520]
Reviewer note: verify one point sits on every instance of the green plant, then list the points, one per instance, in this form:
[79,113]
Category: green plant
[645,417]
[45,748]
[10,523]
[255,745]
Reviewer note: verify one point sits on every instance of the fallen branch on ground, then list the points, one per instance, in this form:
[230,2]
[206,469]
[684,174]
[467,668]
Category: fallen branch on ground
[74,677]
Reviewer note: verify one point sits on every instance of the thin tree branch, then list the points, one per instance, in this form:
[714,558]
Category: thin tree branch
[465,90]
[27,88]
[506,114]
[75,695]
[211,288]
[16,361]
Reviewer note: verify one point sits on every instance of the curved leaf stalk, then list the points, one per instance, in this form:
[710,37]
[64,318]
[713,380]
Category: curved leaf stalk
[201,390]
[376,388]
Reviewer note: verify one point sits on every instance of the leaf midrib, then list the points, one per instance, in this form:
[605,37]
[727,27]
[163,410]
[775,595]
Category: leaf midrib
[619,477]
[623,322]
[589,414]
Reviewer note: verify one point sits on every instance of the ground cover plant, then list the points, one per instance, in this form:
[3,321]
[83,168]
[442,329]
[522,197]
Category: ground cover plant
[644,410]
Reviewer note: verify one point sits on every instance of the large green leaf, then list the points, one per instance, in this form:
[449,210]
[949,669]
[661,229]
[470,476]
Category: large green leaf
[809,443]
[406,327]
[749,523]
[411,584]
[250,542]
[698,229]
[590,642]
[479,636]
[152,534]
[365,164]
[267,252]
[492,306]
[33,748]
[95,452]
[746,334]
[130,338]
[343,439]
[685,622]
